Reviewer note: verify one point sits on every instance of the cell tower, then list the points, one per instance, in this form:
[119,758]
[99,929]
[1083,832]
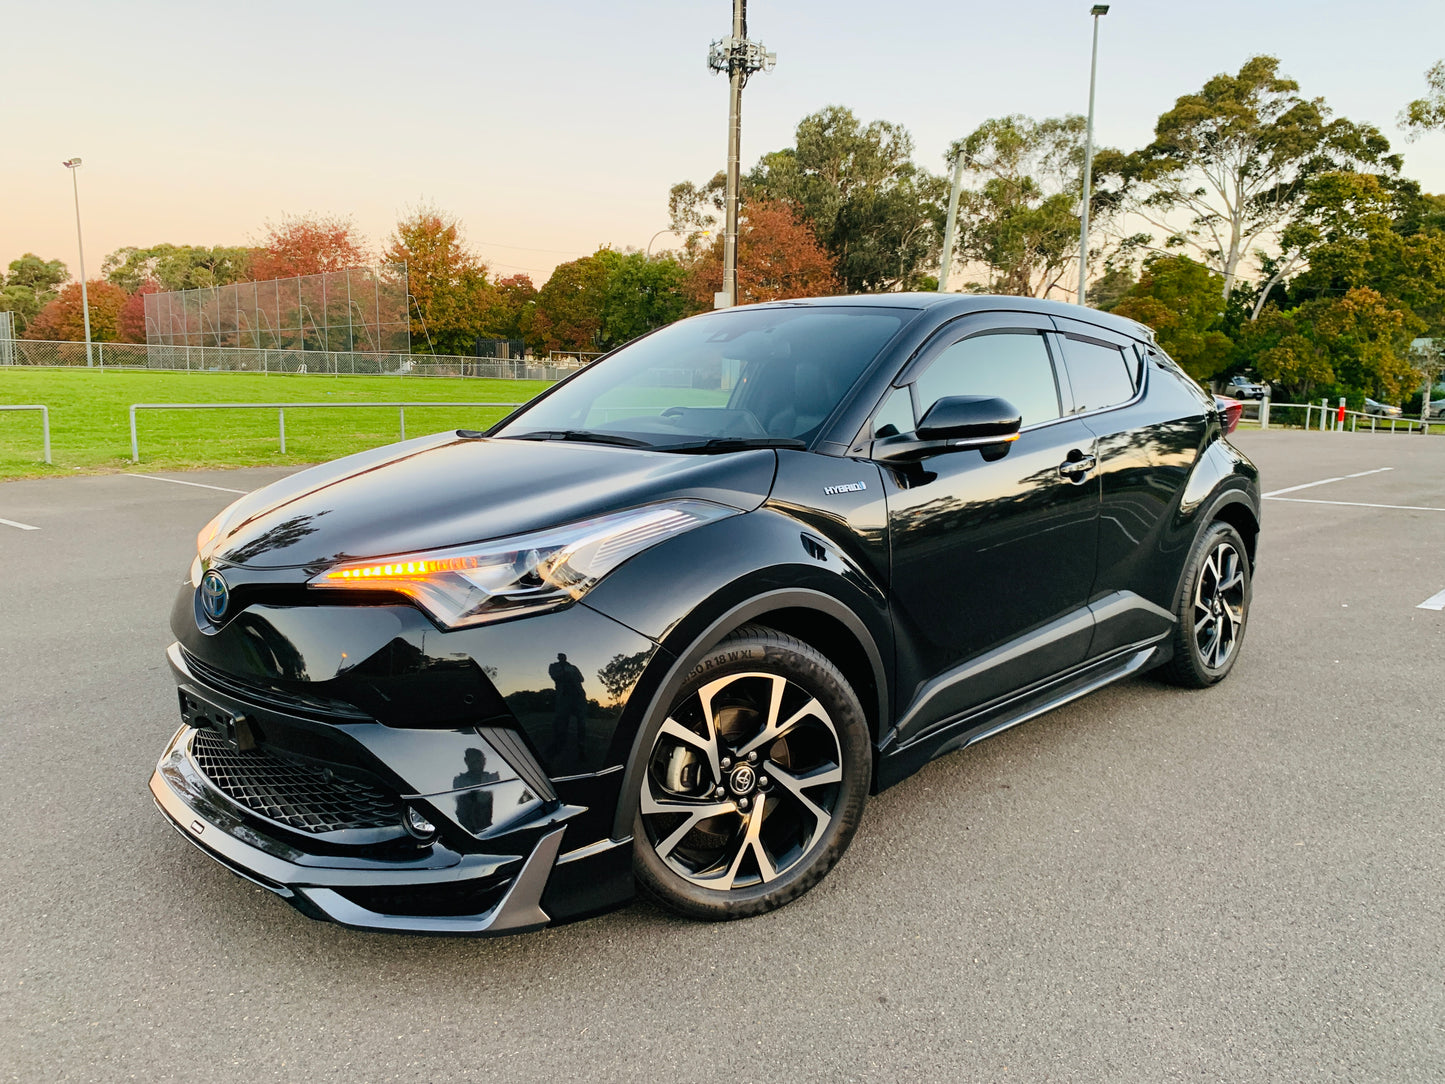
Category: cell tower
[739,58]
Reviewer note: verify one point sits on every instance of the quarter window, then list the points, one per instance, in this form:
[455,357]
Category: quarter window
[1011,365]
[895,415]
[1100,375]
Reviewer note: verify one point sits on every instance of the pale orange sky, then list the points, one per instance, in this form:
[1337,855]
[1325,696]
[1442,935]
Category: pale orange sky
[552,128]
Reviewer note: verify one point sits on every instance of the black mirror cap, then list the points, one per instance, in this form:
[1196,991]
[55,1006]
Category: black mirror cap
[970,417]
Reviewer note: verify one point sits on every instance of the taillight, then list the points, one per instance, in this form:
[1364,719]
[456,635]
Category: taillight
[1230,411]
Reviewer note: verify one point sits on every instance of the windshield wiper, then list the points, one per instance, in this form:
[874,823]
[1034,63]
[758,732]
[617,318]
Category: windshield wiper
[585,436]
[733,444]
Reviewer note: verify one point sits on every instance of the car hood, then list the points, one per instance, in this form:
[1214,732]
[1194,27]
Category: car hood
[446,490]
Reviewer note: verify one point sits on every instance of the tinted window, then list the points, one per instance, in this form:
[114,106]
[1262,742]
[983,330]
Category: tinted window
[744,373]
[1101,376]
[1013,366]
[895,415]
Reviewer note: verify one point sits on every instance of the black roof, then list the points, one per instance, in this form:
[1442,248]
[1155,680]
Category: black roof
[960,304]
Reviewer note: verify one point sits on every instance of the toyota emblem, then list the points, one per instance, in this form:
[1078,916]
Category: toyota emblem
[215,594]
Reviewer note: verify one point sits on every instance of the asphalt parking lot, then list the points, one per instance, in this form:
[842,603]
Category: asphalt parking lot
[1244,884]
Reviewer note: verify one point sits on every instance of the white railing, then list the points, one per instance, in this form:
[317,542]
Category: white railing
[1332,419]
[281,409]
[44,424]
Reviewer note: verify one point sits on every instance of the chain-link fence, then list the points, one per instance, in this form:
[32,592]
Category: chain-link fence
[357,308]
[196,359]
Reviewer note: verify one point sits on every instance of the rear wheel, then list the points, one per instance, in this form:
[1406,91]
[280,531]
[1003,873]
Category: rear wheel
[1212,609]
[754,782]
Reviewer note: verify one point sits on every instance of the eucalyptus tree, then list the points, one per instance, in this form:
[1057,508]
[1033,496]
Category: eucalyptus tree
[1019,214]
[1229,165]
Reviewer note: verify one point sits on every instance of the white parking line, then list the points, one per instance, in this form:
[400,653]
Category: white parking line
[198,485]
[1360,504]
[1326,481]
[1434,602]
[20,526]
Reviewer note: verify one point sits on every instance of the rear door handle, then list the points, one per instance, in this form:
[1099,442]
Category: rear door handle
[1076,469]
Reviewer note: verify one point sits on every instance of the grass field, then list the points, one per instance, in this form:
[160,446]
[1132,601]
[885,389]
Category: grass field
[90,420]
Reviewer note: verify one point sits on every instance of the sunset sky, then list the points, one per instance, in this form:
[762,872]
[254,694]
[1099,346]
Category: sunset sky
[551,128]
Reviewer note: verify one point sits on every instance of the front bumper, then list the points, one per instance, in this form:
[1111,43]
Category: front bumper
[496,863]
[513,885]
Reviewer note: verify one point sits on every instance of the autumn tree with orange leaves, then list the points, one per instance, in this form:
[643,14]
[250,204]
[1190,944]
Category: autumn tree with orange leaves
[778,257]
[63,320]
[448,282]
[308,245]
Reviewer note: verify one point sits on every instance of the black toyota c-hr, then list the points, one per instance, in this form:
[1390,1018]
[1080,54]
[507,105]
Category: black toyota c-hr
[672,622]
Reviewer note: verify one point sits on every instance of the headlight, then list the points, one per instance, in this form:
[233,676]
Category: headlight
[208,533]
[486,581]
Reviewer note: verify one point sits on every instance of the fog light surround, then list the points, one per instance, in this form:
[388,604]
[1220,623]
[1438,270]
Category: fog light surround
[417,825]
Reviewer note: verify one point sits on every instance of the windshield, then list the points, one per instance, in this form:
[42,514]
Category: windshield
[755,376]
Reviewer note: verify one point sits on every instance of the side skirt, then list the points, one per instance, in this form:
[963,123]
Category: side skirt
[899,762]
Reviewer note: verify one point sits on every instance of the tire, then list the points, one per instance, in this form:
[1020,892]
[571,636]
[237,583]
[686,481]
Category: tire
[719,835]
[1212,610]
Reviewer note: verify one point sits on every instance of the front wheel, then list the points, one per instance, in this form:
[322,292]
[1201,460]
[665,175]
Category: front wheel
[754,782]
[1212,608]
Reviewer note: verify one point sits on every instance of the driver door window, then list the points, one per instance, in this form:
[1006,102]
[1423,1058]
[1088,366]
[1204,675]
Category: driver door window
[1012,365]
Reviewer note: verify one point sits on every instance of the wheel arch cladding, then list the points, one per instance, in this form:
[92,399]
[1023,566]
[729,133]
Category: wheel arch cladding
[1241,517]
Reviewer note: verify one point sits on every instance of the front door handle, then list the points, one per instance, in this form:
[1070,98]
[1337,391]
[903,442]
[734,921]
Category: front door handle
[1076,469]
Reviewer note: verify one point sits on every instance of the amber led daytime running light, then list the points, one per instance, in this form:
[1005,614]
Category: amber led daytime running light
[402,568]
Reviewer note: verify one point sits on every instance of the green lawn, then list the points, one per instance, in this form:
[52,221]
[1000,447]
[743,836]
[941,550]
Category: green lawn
[90,420]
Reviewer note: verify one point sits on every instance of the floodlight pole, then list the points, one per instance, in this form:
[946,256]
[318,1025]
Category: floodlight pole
[73,164]
[739,57]
[1088,182]
[946,264]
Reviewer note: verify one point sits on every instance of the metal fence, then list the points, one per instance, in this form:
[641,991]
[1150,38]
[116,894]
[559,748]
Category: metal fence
[43,352]
[357,308]
[280,409]
[1327,418]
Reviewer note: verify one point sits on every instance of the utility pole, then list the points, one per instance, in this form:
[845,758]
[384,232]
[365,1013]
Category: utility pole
[1088,185]
[739,58]
[946,264]
[73,164]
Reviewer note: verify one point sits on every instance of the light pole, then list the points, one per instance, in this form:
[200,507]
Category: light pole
[946,263]
[739,57]
[1088,185]
[73,164]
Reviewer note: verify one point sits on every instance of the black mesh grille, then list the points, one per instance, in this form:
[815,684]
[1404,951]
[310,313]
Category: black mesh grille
[301,796]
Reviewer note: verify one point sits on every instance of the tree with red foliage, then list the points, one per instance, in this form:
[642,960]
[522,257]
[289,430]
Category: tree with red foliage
[133,313]
[778,257]
[63,320]
[308,245]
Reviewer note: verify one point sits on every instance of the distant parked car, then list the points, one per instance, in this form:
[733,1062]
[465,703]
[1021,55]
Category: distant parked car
[1381,410]
[1436,409]
[1241,387]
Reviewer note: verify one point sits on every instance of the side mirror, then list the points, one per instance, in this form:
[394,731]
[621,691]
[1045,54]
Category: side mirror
[952,424]
[977,419]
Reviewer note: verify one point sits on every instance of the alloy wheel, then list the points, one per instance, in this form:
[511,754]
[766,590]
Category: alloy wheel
[1219,604]
[743,778]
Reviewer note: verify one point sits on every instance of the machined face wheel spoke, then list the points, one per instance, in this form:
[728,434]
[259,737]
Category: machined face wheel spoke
[751,844]
[775,729]
[797,784]
[693,812]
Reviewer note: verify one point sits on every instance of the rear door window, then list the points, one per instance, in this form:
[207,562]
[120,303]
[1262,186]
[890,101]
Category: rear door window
[1101,375]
